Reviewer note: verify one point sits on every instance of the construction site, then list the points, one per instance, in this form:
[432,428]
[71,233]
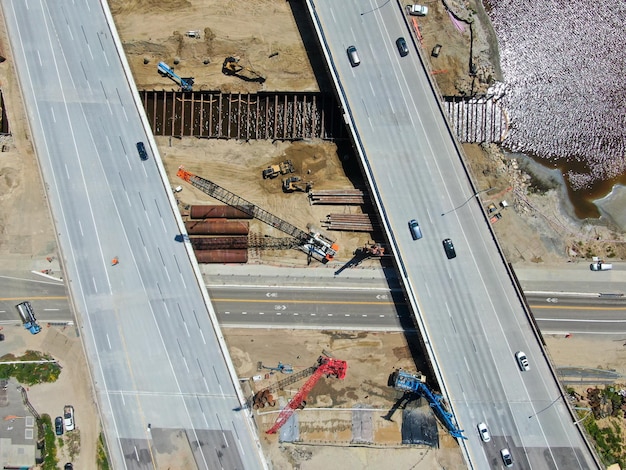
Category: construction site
[267,177]
[262,170]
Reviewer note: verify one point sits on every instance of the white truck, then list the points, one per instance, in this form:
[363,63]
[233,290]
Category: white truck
[417,10]
[599,265]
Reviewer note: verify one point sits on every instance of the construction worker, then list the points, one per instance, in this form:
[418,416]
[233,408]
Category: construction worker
[115,261]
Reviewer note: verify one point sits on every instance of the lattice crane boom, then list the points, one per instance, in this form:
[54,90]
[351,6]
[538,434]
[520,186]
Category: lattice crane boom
[314,244]
[328,366]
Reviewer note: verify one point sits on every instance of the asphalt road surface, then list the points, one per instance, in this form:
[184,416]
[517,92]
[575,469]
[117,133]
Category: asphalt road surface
[467,307]
[157,362]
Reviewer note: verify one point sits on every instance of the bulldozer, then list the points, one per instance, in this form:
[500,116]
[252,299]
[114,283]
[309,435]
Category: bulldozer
[293,184]
[282,168]
[232,67]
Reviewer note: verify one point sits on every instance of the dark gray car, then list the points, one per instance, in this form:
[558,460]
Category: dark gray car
[403,49]
[58,426]
[416,231]
[141,148]
[449,248]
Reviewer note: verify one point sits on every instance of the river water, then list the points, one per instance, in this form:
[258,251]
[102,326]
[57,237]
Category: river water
[565,72]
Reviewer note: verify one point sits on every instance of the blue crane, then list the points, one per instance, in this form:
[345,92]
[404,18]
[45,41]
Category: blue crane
[411,383]
[185,84]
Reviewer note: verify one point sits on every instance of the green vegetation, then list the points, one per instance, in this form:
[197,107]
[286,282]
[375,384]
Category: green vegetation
[49,451]
[30,374]
[603,425]
[101,456]
[608,441]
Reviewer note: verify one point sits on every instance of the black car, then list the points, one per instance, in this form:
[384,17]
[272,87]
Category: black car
[402,47]
[141,148]
[68,466]
[449,248]
[58,425]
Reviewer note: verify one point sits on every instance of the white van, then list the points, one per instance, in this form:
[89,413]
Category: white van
[353,56]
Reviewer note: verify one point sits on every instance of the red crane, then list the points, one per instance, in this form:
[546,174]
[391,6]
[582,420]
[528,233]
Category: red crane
[327,366]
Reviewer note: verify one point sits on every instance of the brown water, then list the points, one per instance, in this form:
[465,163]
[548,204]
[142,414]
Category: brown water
[563,66]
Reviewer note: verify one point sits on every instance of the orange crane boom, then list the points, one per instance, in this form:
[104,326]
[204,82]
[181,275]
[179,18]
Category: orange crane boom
[327,366]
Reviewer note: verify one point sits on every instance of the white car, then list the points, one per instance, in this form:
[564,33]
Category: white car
[418,10]
[506,458]
[68,417]
[522,360]
[484,432]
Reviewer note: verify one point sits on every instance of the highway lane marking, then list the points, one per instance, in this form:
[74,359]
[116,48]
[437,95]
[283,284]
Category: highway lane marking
[322,302]
[578,320]
[565,307]
[268,287]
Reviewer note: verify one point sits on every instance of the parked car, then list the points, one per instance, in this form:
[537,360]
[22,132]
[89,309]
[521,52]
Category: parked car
[68,417]
[418,10]
[58,426]
[506,458]
[68,466]
[522,360]
[449,248]
[484,432]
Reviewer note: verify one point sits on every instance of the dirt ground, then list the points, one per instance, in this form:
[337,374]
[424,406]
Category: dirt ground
[324,428]
[531,229]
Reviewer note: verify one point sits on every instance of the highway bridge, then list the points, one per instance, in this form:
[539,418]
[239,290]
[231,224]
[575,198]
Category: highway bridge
[166,390]
[469,310]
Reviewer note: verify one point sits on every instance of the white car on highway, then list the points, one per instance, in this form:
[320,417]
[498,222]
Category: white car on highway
[484,432]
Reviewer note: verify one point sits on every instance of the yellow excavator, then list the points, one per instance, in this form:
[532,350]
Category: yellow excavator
[294,183]
[232,67]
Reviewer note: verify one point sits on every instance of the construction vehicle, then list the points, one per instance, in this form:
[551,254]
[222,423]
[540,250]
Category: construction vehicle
[416,383]
[361,254]
[599,265]
[27,315]
[326,366]
[282,168]
[185,84]
[292,184]
[232,67]
[283,368]
[314,244]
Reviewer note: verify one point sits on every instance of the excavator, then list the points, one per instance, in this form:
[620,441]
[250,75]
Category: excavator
[232,67]
[293,184]
[282,168]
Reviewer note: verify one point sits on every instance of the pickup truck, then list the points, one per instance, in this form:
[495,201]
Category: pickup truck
[417,10]
[68,417]
[600,266]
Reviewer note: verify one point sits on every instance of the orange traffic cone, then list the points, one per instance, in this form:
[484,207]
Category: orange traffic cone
[115,261]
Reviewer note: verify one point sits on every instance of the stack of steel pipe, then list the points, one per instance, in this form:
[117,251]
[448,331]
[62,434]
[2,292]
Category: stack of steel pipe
[219,243]
[222,256]
[350,222]
[217,211]
[216,227]
[338,196]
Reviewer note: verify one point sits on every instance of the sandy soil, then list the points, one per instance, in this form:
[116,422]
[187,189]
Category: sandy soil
[72,388]
[325,434]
